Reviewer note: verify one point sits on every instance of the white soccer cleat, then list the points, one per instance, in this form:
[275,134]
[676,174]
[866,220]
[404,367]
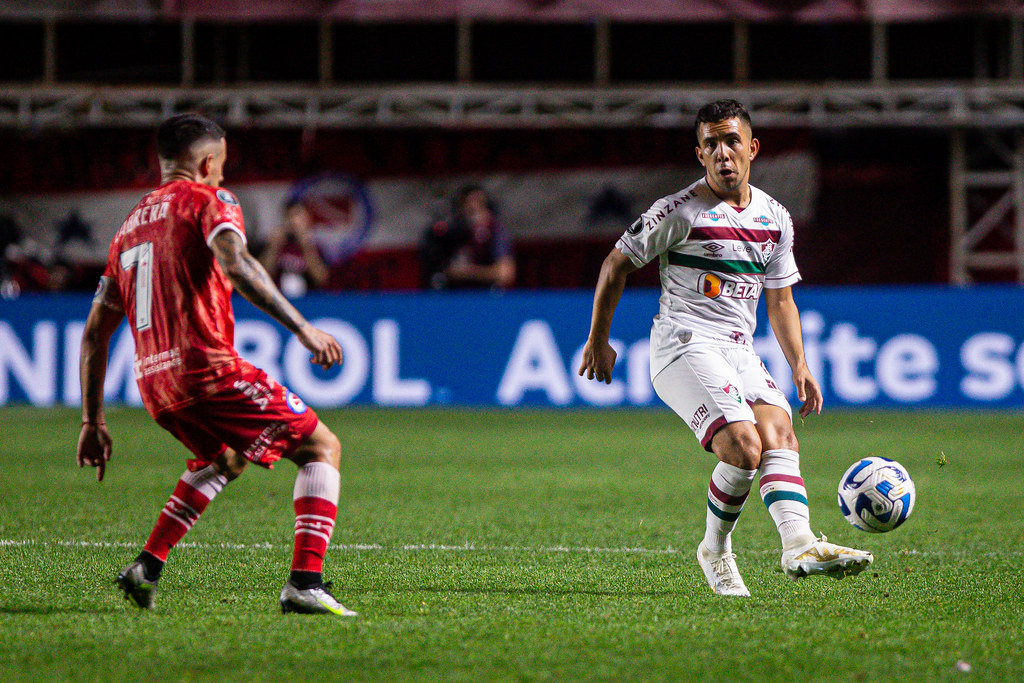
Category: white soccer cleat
[317,600]
[826,559]
[721,571]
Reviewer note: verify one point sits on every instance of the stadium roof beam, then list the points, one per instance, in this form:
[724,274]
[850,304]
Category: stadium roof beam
[996,105]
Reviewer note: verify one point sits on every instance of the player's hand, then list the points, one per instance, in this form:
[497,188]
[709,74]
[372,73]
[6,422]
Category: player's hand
[325,349]
[95,446]
[808,391]
[598,361]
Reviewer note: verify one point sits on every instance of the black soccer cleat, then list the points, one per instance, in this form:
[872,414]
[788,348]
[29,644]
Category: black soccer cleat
[137,588]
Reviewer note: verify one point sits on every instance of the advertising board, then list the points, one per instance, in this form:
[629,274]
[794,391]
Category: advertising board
[877,347]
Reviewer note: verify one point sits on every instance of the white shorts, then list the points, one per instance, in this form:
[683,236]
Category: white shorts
[714,383]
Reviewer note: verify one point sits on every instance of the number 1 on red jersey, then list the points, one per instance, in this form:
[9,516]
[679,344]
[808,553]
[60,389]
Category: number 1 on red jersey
[140,257]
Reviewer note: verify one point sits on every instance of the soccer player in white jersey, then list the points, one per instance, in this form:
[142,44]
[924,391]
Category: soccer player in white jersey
[722,242]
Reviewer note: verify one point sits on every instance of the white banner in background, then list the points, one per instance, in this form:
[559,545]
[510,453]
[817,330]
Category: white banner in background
[534,205]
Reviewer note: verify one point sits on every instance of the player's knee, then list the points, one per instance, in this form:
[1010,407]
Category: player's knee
[788,441]
[739,448]
[332,449]
[781,437]
[747,456]
[775,428]
[230,464]
[321,446]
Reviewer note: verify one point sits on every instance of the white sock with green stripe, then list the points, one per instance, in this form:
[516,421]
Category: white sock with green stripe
[727,492]
[783,493]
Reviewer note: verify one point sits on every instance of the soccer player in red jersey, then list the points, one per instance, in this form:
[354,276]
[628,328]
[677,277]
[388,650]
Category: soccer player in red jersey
[170,270]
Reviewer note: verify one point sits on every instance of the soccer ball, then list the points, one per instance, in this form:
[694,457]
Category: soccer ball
[876,494]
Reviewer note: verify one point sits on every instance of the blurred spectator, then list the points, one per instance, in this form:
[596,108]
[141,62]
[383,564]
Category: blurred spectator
[74,255]
[609,210]
[74,228]
[291,255]
[468,248]
[30,266]
[61,276]
[10,234]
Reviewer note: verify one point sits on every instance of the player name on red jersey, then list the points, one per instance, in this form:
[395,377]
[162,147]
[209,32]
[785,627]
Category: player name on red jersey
[144,215]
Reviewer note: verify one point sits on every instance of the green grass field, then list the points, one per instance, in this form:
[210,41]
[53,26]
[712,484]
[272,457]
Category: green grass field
[499,545]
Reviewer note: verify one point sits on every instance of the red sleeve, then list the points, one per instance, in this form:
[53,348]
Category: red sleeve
[220,211]
[107,291]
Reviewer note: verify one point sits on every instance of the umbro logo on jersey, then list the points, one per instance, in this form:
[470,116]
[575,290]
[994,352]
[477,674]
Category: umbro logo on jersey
[713,247]
[636,228]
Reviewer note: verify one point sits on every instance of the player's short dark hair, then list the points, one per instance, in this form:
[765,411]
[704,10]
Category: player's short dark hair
[720,110]
[176,135]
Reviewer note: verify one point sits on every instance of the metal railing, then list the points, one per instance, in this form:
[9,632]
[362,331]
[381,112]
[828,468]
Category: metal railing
[999,105]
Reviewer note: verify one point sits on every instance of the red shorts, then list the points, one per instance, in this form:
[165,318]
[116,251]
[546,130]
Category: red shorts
[248,412]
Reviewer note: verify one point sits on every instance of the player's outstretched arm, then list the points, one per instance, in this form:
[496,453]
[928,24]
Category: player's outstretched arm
[253,282]
[95,445]
[598,355]
[784,318]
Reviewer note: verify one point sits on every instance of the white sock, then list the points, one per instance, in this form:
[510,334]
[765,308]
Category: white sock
[317,480]
[727,492]
[783,492]
[208,481]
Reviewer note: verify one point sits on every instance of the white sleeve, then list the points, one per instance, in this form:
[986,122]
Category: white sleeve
[781,270]
[218,229]
[651,235]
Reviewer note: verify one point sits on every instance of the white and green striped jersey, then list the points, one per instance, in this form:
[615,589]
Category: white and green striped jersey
[715,261]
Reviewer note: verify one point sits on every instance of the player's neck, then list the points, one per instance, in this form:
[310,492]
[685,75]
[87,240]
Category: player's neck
[172,174]
[173,169]
[740,198]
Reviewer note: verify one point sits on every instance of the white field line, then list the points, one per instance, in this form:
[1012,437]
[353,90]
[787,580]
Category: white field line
[466,547]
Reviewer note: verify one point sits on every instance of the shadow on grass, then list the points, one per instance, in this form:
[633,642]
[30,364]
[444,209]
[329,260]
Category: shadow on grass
[55,609]
[521,591]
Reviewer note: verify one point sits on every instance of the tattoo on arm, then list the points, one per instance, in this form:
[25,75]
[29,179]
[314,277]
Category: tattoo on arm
[252,280]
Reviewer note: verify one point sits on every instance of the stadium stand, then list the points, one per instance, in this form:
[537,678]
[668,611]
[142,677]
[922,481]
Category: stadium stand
[910,107]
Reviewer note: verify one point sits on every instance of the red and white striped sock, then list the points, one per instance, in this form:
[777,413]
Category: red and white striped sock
[316,506]
[193,493]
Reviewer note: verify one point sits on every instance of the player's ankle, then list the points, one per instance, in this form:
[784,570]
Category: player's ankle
[152,565]
[304,580]
[798,541]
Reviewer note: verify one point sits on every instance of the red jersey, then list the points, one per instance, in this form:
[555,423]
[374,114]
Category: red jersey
[177,299]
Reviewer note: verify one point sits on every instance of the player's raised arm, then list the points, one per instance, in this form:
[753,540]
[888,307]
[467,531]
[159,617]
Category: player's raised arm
[95,445]
[598,355]
[785,321]
[256,285]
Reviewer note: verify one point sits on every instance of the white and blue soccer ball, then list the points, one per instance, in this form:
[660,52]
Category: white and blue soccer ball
[876,494]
